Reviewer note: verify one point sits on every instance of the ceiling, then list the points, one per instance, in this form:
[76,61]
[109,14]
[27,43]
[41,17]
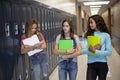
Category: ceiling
[102,9]
[69,5]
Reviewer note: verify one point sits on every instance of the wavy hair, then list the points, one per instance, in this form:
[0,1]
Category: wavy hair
[100,24]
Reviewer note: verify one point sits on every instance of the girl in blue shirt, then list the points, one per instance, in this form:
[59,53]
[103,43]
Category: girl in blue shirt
[97,65]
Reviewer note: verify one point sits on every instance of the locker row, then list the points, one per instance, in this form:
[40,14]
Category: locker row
[13,16]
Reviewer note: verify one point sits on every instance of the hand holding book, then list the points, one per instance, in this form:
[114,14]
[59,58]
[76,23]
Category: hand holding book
[93,48]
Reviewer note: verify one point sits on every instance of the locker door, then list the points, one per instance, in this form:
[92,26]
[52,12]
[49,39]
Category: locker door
[43,22]
[34,12]
[1,42]
[39,17]
[28,12]
[8,54]
[49,37]
[25,58]
[16,45]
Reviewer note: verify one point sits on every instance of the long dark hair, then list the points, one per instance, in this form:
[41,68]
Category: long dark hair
[28,27]
[100,24]
[71,28]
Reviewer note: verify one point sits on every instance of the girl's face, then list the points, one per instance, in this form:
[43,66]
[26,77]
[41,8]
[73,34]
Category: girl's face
[92,24]
[66,27]
[34,28]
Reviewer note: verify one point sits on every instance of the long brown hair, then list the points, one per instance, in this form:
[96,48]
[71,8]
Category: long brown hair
[28,27]
[71,29]
[100,24]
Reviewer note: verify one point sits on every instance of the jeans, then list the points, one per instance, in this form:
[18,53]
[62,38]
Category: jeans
[69,67]
[99,69]
[40,65]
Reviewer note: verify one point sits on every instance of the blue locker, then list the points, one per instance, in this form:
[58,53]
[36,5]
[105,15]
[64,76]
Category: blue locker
[24,58]
[16,39]
[8,56]
[34,12]
[29,12]
[38,18]
[1,43]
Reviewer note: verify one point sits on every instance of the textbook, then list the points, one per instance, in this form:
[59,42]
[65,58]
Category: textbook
[64,45]
[93,40]
[32,41]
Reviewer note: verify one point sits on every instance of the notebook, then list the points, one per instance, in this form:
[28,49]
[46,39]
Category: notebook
[64,45]
[93,40]
[32,41]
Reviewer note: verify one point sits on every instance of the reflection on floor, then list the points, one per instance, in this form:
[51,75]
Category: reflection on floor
[113,62]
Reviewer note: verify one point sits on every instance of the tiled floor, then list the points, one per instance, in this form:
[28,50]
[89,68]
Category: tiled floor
[113,62]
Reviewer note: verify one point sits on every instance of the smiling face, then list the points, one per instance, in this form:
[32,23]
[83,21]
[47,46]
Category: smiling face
[92,24]
[66,27]
[34,28]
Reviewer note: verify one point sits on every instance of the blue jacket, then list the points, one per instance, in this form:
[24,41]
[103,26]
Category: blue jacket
[106,49]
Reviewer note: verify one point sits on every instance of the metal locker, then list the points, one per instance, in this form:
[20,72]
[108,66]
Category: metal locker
[28,12]
[17,40]
[8,54]
[34,12]
[43,22]
[1,43]
[25,59]
[38,18]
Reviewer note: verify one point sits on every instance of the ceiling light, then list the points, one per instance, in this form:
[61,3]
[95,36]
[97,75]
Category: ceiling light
[96,3]
[94,11]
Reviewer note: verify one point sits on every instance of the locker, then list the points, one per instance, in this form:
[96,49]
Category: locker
[16,39]
[26,65]
[34,12]
[38,18]
[28,12]
[1,43]
[8,56]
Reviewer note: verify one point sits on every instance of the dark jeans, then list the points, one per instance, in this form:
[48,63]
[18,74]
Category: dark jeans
[99,69]
[67,67]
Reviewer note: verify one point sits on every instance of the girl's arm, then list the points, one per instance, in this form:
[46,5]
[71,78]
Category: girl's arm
[41,45]
[85,47]
[25,49]
[57,51]
[75,53]
[108,47]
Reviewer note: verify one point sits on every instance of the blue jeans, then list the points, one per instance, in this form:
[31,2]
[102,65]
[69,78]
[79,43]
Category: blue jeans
[40,65]
[69,67]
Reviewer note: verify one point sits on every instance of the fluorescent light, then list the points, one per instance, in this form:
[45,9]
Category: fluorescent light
[96,3]
[94,10]
[95,6]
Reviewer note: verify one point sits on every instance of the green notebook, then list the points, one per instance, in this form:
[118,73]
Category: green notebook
[64,45]
[93,40]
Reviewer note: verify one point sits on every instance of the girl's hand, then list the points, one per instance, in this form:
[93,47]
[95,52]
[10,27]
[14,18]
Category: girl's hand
[37,46]
[26,48]
[65,56]
[71,50]
[98,47]
[91,49]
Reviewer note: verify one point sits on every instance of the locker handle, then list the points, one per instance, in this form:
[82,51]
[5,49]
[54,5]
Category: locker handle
[23,28]
[20,77]
[7,29]
[16,29]
[26,74]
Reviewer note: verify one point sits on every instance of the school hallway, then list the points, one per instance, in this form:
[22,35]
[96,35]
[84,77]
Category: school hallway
[113,62]
[49,15]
